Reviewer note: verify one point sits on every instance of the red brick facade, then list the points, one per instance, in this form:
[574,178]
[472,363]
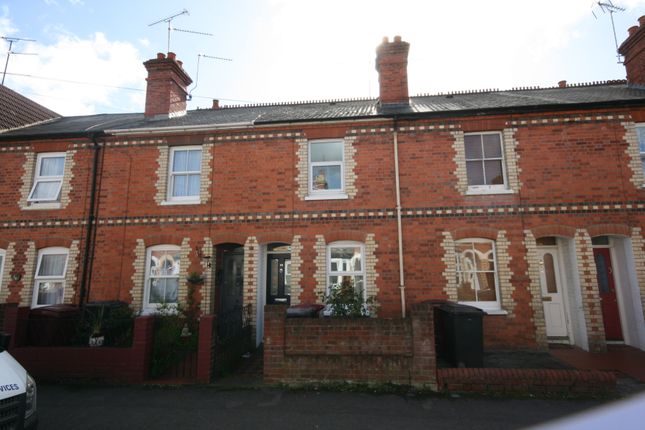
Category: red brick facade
[571,173]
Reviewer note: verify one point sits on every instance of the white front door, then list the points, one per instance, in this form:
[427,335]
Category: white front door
[552,293]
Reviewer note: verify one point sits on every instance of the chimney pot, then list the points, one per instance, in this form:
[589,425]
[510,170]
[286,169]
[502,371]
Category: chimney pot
[397,39]
[562,84]
[160,56]
[386,39]
[171,56]
[215,104]
[633,51]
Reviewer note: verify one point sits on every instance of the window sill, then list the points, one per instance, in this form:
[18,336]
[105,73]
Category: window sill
[339,196]
[180,202]
[495,311]
[477,192]
[42,206]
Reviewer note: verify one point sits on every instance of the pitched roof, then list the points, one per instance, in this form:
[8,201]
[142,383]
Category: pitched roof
[18,111]
[608,94]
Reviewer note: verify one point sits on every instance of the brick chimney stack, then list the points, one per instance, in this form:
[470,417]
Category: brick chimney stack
[167,87]
[392,68]
[633,49]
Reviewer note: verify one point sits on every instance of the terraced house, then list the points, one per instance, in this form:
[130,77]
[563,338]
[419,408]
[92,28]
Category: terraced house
[527,203]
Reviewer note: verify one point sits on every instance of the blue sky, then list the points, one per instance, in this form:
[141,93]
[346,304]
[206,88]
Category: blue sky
[292,50]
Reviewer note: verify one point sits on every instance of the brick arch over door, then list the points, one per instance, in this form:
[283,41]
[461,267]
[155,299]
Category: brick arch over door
[553,230]
[475,232]
[229,237]
[609,230]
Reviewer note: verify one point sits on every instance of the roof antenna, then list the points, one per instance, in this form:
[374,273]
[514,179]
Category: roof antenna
[11,41]
[608,6]
[199,56]
[171,28]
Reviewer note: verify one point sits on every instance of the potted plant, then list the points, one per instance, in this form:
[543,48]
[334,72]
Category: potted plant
[97,338]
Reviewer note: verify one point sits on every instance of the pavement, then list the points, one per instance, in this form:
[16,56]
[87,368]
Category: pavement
[206,407]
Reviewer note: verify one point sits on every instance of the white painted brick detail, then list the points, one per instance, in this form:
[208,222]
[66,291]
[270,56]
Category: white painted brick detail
[206,290]
[138,277]
[296,272]
[320,260]
[29,167]
[504,273]
[302,168]
[9,255]
[68,175]
[633,152]
[251,276]
[205,178]
[162,174]
[371,289]
[70,276]
[184,262]
[511,158]
[350,166]
[460,162]
[589,289]
[26,293]
[638,249]
[533,273]
[450,264]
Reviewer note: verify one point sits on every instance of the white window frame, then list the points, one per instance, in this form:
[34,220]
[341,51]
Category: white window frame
[493,188]
[38,279]
[483,305]
[3,257]
[153,307]
[311,165]
[640,151]
[38,178]
[183,199]
[330,273]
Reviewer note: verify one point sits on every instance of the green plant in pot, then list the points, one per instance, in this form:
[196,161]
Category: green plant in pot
[345,300]
[96,327]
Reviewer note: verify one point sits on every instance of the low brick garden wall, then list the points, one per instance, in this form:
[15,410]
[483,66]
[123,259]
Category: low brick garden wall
[358,350]
[526,381]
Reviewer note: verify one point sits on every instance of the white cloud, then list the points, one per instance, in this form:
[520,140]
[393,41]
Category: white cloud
[51,2]
[77,2]
[145,42]
[93,60]
[6,26]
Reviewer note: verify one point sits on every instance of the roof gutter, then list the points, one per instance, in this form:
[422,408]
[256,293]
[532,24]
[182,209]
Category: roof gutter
[179,129]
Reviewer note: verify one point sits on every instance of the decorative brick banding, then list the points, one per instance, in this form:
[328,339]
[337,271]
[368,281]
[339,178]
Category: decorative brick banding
[9,254]
[533,272]
[296,271]
[633,153]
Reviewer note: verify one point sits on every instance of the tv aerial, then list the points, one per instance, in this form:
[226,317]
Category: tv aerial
[11,41]
[169,19]
[199,56]
[608,7]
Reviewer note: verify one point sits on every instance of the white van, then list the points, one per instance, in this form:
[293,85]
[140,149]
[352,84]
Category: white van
[17,392]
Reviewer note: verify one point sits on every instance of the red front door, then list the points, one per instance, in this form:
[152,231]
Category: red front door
[607,290]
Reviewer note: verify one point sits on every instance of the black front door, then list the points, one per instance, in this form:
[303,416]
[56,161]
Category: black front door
[278,279]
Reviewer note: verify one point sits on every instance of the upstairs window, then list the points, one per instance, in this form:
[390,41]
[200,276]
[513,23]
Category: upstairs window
[49,284]
[185,173]
[326,170]
[485,162]
[477,281]
[162,276]
[640,132]
[48,179]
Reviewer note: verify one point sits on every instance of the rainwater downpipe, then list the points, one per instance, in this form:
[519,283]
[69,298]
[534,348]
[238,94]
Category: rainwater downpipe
[90,228]
[398,218]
